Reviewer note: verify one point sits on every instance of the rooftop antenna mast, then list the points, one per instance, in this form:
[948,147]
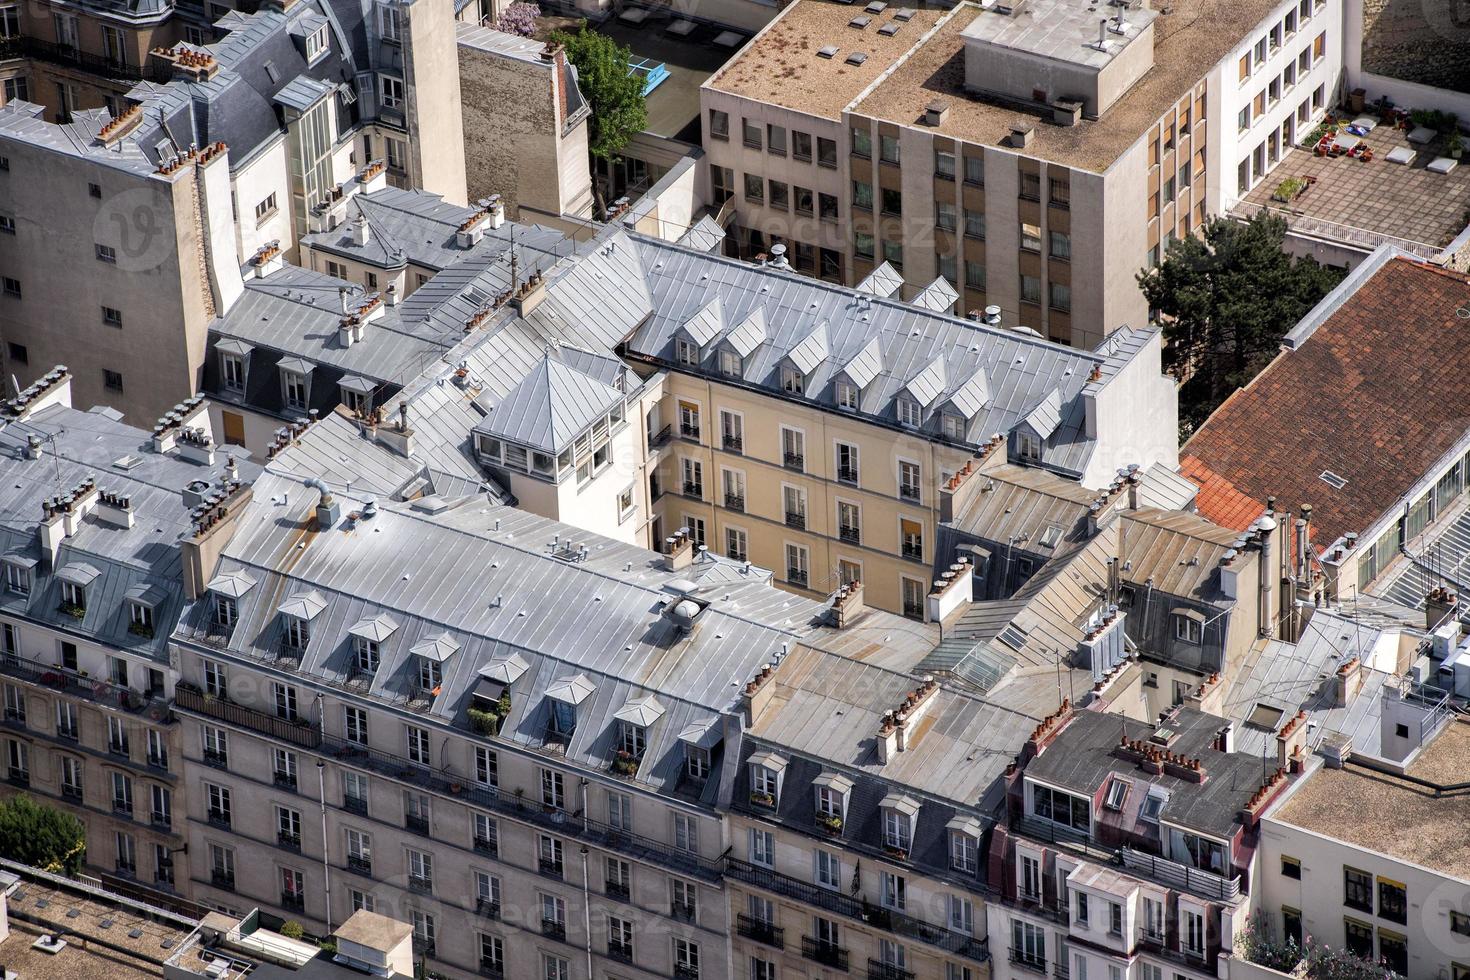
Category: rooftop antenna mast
[515,271]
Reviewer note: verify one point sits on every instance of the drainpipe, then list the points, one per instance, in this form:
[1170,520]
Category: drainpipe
[321,781]
[586,906]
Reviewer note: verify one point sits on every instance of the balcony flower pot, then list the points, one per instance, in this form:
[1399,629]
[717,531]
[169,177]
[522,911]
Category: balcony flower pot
[72,609]
[138,629]
[484,722]
[829,822]
[762,799]
[456,788]
[625,764]
[900,853]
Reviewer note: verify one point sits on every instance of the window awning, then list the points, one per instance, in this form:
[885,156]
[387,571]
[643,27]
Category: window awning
[146,594]
[236,347]
[78,573]
[506,670]
[642,711]
[232,585]
[571,690]
[769,760]
[903,804]
[439,647]
[701,734]
[376,628]
[834,781]
[303,605]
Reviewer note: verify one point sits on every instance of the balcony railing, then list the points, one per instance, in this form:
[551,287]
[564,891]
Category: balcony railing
[692,489]
[420,883]
[216,759]
[823,952]
[492,969]
[355,804]
[288,840]
[796,576]
[293,901]
[913,551]
[794,461]
[416,823]
[19,777]
[550,867]
[847,474]
[75,684]
[215,818]
[622,952]
[285,780]
[1203,883]
[1028,961]
[849,534]
[551,818]
[487,907]
[760,930]
[734,501]
[906,492]
[878,970]
[958,943]
[360,865]
[72,792]
[795,519]
[222,879]
[661,437]
[486,846]
[554,929]
[733,444]
[687,431]
[190,698]
[616,889]
[65,54]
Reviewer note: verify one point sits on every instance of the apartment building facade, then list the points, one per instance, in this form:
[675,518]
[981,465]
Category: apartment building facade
[165,195]
[86,611]
[1011,192]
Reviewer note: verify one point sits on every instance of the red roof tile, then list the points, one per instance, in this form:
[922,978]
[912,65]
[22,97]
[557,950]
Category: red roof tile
[1218,498]
[1376,394]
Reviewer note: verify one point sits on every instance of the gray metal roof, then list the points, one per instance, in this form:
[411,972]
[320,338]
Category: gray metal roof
[551,406]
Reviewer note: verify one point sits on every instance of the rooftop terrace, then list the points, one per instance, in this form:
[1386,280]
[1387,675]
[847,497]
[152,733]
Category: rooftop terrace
[1382,813]
[1371,202]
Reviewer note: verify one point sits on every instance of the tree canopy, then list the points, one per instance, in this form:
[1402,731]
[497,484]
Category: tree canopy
[42,836]
[618,109]
[1226,297]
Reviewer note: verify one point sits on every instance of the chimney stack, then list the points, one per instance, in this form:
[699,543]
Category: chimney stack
[1265,620]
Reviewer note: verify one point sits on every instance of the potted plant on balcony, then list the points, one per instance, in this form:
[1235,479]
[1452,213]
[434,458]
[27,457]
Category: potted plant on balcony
[484,722]
[72,609]
[625,763]
[896,851]
[830,822]
[1455,144]
[760,798]
[141,629]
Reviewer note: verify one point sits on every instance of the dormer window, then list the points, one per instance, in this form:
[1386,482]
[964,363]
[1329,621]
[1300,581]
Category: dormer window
[909,413]
[18,575]
[847,396]
[75,578]
[953,426]
[898,824]
[430,676]
[140,619]
[1061,808]
[1153,805]
[832,793]
[298,633]
[696,762]
[232,372]
[1117,793]
[730,365]
[367,654]
[699,739]
[293,389]
[1028,446]
[74,595]
[316,43]
[766,772]
[1189,626]
[226,611]
[793,382]
[489,449]
[964,844]
[685,352]
[632,739]
[562,699]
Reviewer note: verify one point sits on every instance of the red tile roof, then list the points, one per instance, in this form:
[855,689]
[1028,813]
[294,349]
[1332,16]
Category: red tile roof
[1376,394]
[1218,498]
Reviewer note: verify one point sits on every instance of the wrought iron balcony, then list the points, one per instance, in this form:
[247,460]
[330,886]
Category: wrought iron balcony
[216,759]
[355,804]
[878,970]
[687,431]
[553,928]
[222,879]
[1028,961]
[360,865]
[906,492]
[957,943]
[847,474]
[913,551]
[735,501]
[692,489]
[760,930]
[622,952]
[486,846]
[487,907]
[796,576]
[294,901]
[661,438]
[796,519]
[616,889]
[416,823]
[285,780]
[733,444]
[849,533]
[823,952]
[298,732]
[794,461]
[288,840]
[549,867]
[420,883]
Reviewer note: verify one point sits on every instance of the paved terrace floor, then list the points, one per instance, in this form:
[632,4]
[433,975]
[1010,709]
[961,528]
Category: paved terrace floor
[1363,202]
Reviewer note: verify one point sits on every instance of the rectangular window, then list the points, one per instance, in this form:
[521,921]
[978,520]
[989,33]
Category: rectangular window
[888,149]
[776,140]
[719,124]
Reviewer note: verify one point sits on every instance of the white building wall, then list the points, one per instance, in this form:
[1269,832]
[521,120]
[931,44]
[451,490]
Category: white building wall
[252,185]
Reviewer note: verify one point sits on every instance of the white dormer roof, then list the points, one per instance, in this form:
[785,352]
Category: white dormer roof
[1047,415]
[769,760]
[965,825]
[749,334]
[376,628]
[146,594]
[834,781]
[928,384]
[232,585]
[303,605]
[506,670]
[973,395]
[295,365]
[437,647]
[811,350]
[882,281]
[571,690]
[642,711]
[707,324]
[900,802]
[701,734]
[78,573]
[938,296]
[866,365]
[232,346]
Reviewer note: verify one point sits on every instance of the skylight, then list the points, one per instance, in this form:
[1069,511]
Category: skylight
[1266,716]
[1013,636]
[1333,480]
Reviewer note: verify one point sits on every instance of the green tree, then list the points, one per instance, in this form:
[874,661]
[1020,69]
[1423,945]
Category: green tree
[1226,298]
[41,836]
[618,109]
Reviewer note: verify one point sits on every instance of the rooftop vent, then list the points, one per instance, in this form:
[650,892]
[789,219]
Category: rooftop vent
[856,58]
[1333,480]
[1021,135]
[936,112]
[876,7]
[889,29]
[829,51]
[860,22]
[904,14]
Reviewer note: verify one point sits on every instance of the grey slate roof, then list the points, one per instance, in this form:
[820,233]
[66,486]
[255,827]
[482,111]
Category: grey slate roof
[115,564]
[551,406]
